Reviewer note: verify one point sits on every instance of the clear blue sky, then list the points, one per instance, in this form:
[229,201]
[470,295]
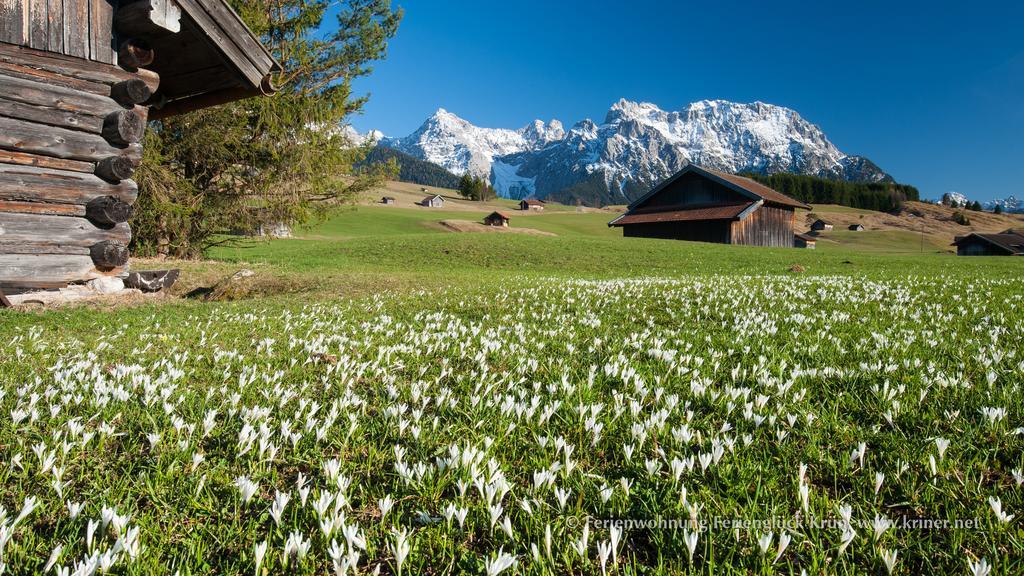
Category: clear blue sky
[933,92]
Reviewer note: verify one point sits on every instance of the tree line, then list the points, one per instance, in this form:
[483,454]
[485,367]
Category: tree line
[879,196]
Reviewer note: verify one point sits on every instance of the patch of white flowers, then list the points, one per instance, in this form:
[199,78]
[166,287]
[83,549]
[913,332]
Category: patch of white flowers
[485,431]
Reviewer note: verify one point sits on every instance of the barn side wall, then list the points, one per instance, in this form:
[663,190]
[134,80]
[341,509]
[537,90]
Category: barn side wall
[975,247]
[63,210]
[77,28]
[767,226]
[697,231]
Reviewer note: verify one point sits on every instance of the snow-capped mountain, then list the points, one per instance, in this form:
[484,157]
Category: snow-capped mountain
[1010,205]
[455,144]
[636,146]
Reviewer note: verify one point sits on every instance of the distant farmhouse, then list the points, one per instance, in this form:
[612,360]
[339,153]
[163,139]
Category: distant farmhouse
[706,205]
[532,204]
[804,241]
[435,201]
[856,228]
[389,200]
[497,219]
[1006,243]
[821,226]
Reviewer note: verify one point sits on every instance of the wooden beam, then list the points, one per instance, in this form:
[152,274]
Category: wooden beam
[108,211]
[128,93]
[134,54]
[48,234]
[109,254]
[50,116]
[72,67]
[123,127]
[56,97]
[42,208]
[46,185]
[115,169]
[185,105]
[22,159]
[22,136]
[46,270]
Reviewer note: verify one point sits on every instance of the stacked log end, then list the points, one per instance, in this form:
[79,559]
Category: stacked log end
[69,145]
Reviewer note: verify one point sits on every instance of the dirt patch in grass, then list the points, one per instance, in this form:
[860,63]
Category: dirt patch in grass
[466,226]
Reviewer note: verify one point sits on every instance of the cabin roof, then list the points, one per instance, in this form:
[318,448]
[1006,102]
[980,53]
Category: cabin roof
[500,215]
[213,59]
[533,202]
[744,186]
[1011,240]
[715,212]
[432,196]
[805,237]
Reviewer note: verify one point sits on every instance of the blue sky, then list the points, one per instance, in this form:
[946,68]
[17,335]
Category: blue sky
[933,92]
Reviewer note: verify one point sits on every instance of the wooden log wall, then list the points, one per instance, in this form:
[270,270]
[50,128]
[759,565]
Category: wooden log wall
[69,142]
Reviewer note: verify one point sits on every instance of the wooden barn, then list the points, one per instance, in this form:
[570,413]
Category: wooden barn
[532,204]
[805,241]
[711,206]
[821,226]
[497,219]
[388,200]
[1006,243]
[435,201]
[856,228]
[78,81]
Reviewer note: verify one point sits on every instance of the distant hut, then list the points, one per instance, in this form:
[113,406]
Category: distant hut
[856,228]
[1006,243]
[435,201]
[387,200]
[804,241]
[532,204]
[497,219]
[710,206]
[821,226]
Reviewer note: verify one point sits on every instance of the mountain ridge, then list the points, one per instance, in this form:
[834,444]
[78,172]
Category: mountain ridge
[636,146]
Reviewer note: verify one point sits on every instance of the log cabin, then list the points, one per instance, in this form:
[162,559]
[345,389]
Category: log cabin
[706,205]
[79,79]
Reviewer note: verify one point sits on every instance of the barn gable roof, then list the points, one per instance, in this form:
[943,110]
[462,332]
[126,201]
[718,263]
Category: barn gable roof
[744,186]
[212,59]
[1012,241]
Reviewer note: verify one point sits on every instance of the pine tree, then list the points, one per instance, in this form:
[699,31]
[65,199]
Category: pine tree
[273,159]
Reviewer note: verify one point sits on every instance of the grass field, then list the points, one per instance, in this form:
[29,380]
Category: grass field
[392,398]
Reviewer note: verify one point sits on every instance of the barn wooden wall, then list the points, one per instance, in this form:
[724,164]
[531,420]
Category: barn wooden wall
[695,231]
[767,226]
[69,133]
[79,28]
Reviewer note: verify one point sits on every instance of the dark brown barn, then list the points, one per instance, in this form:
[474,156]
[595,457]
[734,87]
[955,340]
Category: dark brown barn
[710,206]
[1006,243]
[78,81]
[532,204]
[497,219]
